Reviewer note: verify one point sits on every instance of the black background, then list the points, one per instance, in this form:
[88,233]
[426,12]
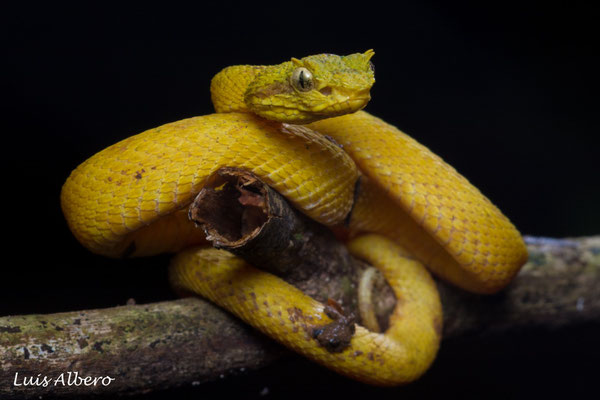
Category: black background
[505,93]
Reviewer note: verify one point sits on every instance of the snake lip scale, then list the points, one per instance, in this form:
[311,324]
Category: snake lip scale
[299,126]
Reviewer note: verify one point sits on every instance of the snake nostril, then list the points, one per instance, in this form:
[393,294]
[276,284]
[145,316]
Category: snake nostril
[326,90]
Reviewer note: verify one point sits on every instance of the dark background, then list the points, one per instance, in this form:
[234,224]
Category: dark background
[505,93]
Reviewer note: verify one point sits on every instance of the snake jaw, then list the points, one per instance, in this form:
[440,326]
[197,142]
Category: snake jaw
[306,110]
[309,107]
[306,113]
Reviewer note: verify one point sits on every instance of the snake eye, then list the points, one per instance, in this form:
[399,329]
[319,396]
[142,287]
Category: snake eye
[302,79]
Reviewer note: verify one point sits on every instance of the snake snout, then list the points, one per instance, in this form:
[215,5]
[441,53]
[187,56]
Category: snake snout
[342,102]
[352,103]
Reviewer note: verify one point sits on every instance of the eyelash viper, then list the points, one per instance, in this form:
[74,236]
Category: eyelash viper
[131,199]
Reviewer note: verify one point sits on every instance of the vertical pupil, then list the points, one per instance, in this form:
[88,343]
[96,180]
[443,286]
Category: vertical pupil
[302,80]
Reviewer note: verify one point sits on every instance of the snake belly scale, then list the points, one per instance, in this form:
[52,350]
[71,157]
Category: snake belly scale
[412,210]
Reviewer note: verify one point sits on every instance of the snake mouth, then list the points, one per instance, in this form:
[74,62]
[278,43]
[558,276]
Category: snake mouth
[336,104]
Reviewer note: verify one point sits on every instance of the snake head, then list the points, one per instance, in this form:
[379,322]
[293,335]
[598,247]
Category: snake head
[305,90]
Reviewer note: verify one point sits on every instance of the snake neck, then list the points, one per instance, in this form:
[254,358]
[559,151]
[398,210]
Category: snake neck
[227,88]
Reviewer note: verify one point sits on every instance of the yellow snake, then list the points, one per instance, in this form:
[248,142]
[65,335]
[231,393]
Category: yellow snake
[132,199]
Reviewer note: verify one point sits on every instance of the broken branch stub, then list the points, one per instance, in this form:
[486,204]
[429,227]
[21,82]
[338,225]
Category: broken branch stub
[243,215]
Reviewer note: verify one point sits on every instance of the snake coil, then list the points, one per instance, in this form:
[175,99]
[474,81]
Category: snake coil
[412,209]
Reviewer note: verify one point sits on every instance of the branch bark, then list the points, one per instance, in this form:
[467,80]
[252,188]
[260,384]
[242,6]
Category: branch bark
[189,341]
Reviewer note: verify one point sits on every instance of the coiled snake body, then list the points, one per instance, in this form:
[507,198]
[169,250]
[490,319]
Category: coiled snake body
[131,198]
